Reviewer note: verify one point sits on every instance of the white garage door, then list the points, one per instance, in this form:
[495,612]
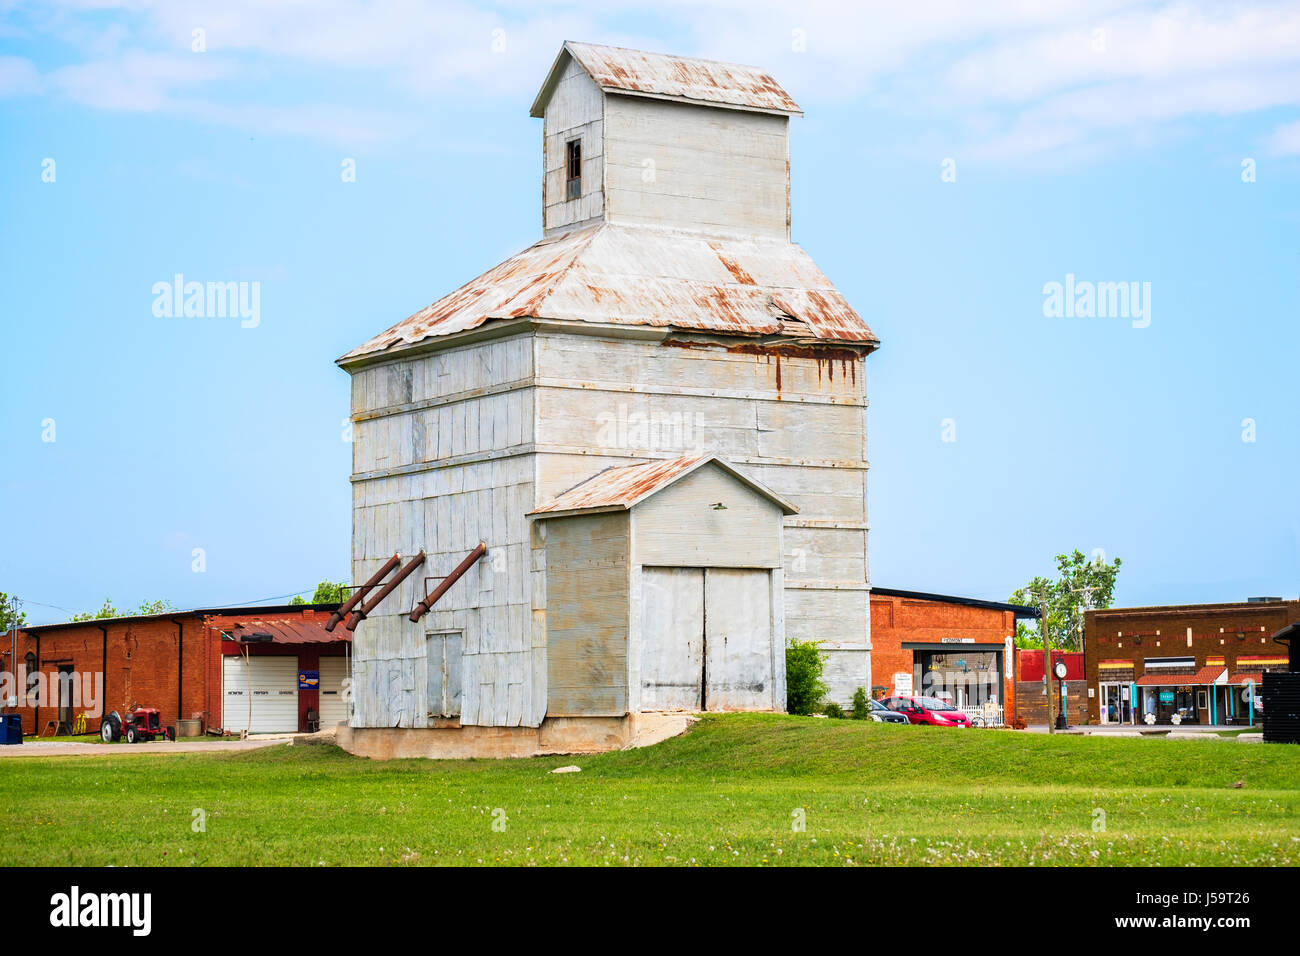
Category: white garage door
[333,705]
[270,684]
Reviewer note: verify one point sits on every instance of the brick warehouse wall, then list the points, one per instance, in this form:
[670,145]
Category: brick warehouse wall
[897,620]
[151,663]
[1134,634]
[148,662]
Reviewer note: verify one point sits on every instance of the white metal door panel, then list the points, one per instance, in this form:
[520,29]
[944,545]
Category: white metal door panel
[270,683]
[672,638]
[738,640]
[333,703]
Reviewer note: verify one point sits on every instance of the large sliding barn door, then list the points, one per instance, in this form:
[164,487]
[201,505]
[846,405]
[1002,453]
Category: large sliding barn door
[737,639]
[706,639]
[672,638]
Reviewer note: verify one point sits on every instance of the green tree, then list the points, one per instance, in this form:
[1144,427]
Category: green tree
[161,606]
[104,612]
[8,618]
[327,592]
[861,709]
[155,607]
[1082,584]
[804,688]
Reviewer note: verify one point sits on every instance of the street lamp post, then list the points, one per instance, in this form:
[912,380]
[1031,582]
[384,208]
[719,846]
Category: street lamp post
[1060,671]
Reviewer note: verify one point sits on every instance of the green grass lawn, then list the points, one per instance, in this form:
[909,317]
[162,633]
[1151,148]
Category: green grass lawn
[730,792]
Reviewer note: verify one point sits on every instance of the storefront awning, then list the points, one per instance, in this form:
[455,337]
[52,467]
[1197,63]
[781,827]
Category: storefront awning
[1203,677]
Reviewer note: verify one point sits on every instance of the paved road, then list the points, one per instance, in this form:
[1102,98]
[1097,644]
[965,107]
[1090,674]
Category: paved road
[183,746]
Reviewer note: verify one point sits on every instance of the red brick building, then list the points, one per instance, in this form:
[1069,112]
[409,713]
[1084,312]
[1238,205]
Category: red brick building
[957,648]
[229,668]
[1192,660]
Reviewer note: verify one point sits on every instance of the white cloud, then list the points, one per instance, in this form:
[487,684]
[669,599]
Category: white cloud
[18,77]
[1156,45]
[1013,77]
[1285,140]
[136,80]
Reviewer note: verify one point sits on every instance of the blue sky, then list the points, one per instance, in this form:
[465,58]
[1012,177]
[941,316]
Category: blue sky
[1102,140]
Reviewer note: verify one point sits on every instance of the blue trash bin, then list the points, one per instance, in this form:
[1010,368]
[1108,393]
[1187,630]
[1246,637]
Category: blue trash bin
[11,728]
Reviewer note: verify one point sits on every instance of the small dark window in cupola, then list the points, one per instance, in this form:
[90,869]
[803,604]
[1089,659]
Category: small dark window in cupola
[573,170]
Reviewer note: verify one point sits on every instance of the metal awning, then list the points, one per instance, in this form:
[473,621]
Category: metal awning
[1203,677]
[954,647]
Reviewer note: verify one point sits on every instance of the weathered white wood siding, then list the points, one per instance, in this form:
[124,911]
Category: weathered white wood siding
[679,526]
[697,167]
[587,609]
[794,422]
[576,111]
[441,461]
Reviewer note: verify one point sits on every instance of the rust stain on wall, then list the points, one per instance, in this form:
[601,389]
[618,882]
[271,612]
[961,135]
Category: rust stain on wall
[825,357]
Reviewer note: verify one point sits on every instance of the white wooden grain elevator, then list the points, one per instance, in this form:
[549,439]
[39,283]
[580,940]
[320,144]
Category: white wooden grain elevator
[654,420]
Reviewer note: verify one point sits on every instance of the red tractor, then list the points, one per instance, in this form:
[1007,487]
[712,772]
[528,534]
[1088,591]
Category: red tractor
[142,723]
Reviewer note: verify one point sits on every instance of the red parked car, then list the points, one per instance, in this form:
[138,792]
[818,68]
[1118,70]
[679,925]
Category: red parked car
[928,710]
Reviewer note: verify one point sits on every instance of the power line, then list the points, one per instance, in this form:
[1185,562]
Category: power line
[273,597]
[42,604]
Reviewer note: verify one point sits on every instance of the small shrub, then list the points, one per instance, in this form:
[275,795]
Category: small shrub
[860,709]
[804,688]
[834,710]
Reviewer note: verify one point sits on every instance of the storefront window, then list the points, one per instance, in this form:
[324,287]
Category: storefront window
[1162,704]
[963,678]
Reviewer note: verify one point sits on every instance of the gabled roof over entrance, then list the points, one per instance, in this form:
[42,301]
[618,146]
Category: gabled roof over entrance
[685,79]
[623,487]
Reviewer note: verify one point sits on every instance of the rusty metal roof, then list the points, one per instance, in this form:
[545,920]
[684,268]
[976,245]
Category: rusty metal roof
[635,275]
[282,629]
[637,73]
[624,486]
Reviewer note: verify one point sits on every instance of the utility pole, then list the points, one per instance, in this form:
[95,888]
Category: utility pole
[1047,657]
[1084,601]
[14,606]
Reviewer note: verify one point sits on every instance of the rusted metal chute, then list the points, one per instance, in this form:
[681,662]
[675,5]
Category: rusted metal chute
[342,611]
[431,599]
[361,613]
